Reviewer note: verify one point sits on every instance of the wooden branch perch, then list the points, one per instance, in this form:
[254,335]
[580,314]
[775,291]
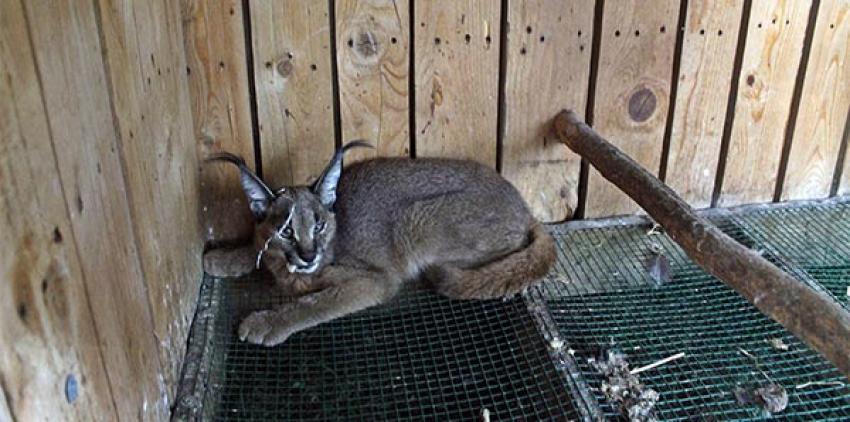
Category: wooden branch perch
[812,316]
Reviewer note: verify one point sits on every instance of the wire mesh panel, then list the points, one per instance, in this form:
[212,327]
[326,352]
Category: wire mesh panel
[727,343]
[421,358]
[816,240]
[424,357]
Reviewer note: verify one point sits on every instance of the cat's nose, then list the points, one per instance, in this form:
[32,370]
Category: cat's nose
[308,256]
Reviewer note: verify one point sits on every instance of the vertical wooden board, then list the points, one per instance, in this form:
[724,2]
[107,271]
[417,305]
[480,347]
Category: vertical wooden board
[373,60]
[218,83]
[706,66]
[292,73]
[548,65]
[456,55]
[76,97]
[824,103]
[766,85]
[47,330]
[632,91]
[143,47]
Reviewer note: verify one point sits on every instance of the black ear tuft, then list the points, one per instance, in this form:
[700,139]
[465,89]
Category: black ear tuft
[259,195]
[325,185]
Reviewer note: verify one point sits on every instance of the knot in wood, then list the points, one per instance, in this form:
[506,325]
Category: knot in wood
[642,104]
[284,67]
[367,44]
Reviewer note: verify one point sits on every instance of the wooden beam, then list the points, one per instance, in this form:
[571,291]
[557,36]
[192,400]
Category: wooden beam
[812,316]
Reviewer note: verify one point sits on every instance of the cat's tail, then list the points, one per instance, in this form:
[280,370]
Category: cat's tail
[501,278]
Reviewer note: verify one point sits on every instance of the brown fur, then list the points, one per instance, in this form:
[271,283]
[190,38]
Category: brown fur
[457,224]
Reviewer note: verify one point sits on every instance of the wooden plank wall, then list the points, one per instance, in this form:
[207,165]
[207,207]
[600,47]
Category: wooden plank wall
[214,34]
[295,97]
[100,215]
[632,91]
[542,57]
[819,131]
[456,116]
[709,40]
[108,106]
[722,99]
[373,48]
[771,59]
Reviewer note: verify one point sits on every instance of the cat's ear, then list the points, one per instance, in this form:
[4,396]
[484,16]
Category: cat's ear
[325,185]
[259,195]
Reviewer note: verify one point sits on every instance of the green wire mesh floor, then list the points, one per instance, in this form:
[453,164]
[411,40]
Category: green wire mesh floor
[424,357]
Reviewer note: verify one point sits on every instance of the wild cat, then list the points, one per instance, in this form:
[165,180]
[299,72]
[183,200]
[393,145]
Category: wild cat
[351,239]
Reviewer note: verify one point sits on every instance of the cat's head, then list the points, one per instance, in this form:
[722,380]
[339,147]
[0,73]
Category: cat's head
[296,222]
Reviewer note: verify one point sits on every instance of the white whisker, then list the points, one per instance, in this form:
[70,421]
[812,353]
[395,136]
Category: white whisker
[277,234]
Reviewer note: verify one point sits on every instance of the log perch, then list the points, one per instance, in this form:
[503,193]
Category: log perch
[812,316]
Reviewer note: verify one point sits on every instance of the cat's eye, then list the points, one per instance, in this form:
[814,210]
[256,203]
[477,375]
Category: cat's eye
[287,232]
[319,227]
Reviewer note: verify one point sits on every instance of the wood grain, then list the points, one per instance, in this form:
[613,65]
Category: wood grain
[214,36]
[548,51]
[824,104]
[143,47]
[292,73]
[47,330]
[372,38]
[456,54]
[706,66]
[765,89]
[66,41]
[632,91]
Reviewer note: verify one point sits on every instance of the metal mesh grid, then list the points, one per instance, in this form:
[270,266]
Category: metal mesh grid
[429,358]
[421,358]
[605,294]
[815,240]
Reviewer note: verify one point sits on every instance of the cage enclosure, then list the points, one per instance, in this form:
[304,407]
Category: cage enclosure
[108,109]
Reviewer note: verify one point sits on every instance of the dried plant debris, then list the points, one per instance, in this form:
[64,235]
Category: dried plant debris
[778,344]
[624,388]
[819,384]
[658,269]
[657,265]
[655,229]
[771,397]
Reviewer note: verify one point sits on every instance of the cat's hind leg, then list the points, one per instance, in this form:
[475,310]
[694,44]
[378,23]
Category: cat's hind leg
[503,277]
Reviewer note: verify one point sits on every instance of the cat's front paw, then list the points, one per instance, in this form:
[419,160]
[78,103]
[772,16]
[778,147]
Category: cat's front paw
[263,327]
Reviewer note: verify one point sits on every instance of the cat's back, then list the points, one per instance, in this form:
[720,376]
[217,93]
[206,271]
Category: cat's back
[379,188]
[393,180]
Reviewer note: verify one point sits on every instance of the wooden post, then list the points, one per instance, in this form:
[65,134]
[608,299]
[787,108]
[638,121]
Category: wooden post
[810,315]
